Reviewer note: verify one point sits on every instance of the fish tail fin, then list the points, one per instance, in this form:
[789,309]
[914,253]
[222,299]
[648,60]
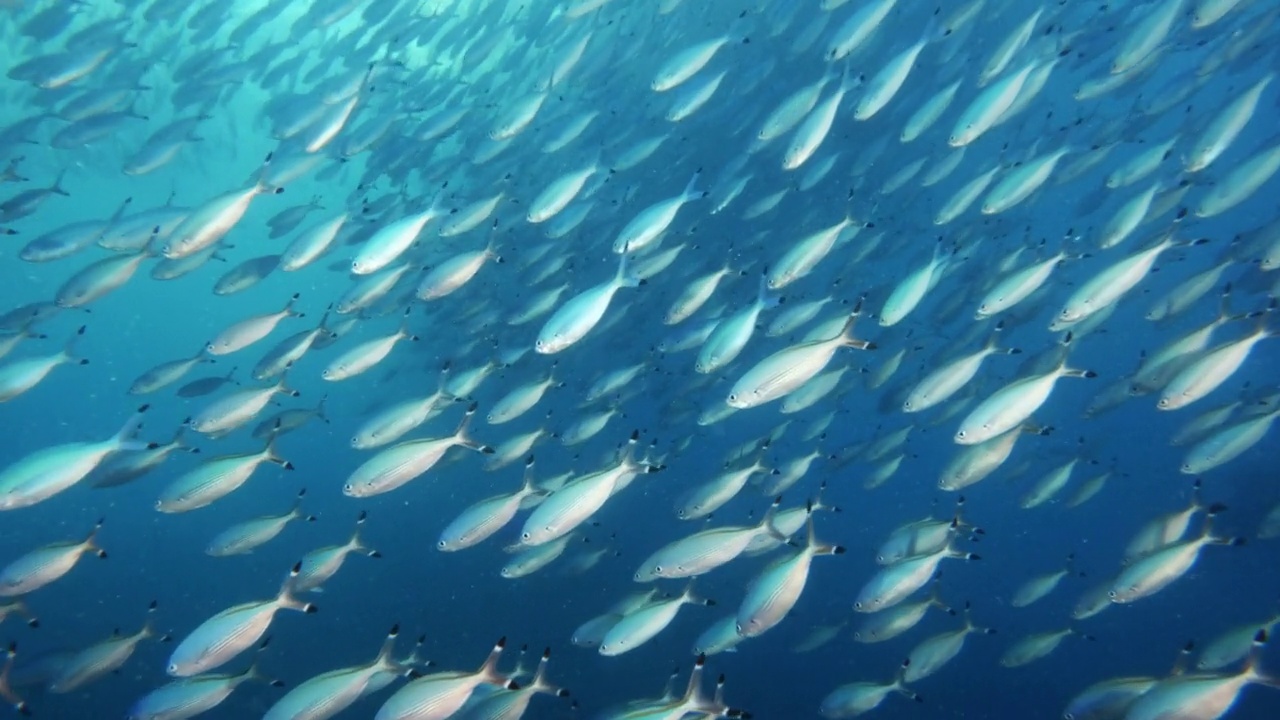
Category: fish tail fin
[356,543]
[935,594]
[270,451]
[91,540]
[56,187]
[689,598]
[1251,671]
[69,349]
[489,669]
[846,333]
[624,277]
[539,683]
[690,189]
[253,672]
[527,485]
[21,608]
[288,307]
[766,523]
[296,510]
[692,692]
[462,436]
[285,598]
[384,660]
[6,690]
[124,437]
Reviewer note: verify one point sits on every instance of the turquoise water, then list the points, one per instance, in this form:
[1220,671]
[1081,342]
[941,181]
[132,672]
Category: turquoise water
[409,66]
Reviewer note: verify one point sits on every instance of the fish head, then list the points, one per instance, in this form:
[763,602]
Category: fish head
[173,248]
[551,343]
[1122,595]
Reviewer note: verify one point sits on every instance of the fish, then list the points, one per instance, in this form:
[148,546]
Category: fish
[250,330]
[853,699]
[215,478]
[646,622]
[1012,405]
[485,518]
[1159,569]
[1037,646]
[222,637]
[787,370]
[321,564]
[775,591]
[190,696]
[103,657]
[1040,586]
[52,470]
[329,693]
[704,551]
[897,582]
[934,652]
[247,536]
[576,318]
[21,376]
[391,468]
[512,704]
[1199,696]
[440,695]
[47,564]
[882,626]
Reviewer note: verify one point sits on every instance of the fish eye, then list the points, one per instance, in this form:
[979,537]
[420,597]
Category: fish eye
[657,568]
[1111,594]
[962,434]
[441,543]
[857,604]
[525,536]
[173,668]
[733,396]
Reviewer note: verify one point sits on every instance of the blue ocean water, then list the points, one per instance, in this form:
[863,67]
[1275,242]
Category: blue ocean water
[458,600]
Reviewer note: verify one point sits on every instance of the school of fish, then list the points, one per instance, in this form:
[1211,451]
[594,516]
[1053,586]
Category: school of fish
[600,309]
